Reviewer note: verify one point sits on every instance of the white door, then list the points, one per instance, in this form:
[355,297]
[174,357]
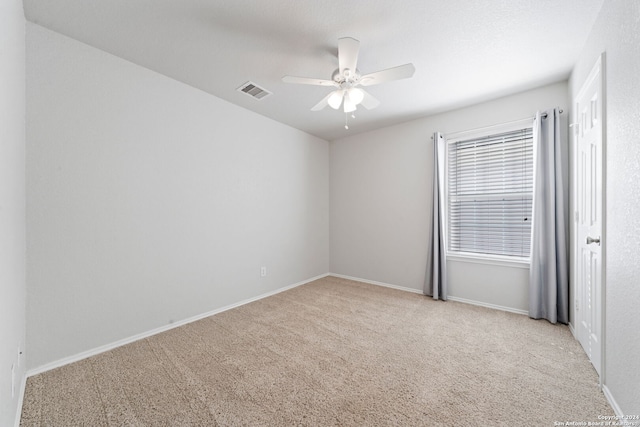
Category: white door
[588,216]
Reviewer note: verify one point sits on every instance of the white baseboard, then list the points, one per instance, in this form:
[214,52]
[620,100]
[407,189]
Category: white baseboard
[573,331]
[23,386]
[612,401]
[119,343]
[147,334]
[373,282]
[418,291]
[487,305]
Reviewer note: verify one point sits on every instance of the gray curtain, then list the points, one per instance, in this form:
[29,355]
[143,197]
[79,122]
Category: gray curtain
[548,277]
[435,283]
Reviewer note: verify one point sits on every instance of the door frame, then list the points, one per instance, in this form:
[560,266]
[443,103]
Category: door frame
[599,66]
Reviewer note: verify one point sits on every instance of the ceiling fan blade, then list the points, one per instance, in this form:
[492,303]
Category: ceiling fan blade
[395,73]
[348,54]
[308,81]
[320,105]
[369,102]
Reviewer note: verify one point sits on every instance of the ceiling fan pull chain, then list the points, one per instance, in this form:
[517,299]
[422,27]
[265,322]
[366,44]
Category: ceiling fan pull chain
[346,121]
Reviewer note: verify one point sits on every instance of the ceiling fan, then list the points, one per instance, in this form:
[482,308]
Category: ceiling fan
[347,79]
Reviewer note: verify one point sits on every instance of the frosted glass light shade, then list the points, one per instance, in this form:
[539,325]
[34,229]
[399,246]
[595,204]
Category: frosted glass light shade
[335,99]
[349,105]
[356,95]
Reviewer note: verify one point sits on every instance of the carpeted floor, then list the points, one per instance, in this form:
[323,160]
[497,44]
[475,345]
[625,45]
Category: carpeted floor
[332,352]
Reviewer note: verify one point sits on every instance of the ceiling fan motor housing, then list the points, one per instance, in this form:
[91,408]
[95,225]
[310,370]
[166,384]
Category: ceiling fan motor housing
[347,78]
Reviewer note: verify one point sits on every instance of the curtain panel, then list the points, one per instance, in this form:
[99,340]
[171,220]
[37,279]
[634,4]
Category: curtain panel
[435,283]
[548,275]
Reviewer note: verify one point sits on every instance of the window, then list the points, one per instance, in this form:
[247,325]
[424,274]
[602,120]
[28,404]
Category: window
[490,192]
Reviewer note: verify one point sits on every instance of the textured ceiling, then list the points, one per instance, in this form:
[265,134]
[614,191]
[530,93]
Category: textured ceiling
[464,51]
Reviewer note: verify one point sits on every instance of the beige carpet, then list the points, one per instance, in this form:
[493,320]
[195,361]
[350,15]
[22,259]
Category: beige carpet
[332,352]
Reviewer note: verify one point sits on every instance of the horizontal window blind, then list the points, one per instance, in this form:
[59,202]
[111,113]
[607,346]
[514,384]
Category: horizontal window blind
[490,189]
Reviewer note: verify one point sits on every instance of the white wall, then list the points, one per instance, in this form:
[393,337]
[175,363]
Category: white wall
[380,201]
[12,206]
[149,201]
[617,32]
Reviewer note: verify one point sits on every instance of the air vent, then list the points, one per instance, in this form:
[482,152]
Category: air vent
[254,91]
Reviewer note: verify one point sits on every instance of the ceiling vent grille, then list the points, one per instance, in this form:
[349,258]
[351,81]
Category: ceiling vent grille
[254,91]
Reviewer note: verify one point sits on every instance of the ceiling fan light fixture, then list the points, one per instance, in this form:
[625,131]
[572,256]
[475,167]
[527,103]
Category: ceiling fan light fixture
[349,105]
[356,95]
[335,99]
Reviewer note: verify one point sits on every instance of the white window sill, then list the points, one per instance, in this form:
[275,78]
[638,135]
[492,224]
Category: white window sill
[488,259]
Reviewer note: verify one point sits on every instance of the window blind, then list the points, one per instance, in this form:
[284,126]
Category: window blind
[490,188]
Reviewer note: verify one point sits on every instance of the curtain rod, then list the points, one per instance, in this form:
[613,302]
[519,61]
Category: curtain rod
[544,116]
[492,128]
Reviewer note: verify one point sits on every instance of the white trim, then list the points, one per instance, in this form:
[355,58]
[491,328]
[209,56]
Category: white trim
[573,331]
[147,334]
[454,137]
[23,387]
[603,231]
[487,305]
[373,282]
[612,401]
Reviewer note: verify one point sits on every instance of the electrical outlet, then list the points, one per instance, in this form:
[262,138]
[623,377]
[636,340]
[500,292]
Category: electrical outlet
[263,271]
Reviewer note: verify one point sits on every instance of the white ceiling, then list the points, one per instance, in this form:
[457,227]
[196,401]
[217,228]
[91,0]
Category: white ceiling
[464,51]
